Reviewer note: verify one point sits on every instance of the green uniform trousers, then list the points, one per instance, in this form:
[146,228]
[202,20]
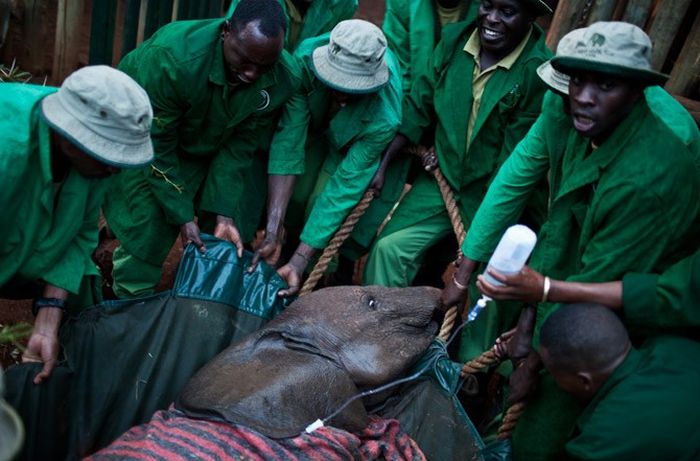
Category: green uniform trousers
[419,222]
[133,277]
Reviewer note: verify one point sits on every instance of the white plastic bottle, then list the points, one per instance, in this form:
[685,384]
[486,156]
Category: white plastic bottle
[512,252]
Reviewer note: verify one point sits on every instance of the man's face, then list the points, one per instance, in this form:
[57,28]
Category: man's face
[343,99]
[502,25]
[248,53]
[599,102]
[88,166]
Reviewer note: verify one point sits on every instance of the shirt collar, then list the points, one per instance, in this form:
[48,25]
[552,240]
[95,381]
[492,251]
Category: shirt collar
[626,368]
[473,47]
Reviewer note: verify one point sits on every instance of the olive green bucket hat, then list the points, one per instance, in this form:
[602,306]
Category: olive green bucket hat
[539,7]
[353,60]
[105,113]
[11,428]
[615,48]
[557,80]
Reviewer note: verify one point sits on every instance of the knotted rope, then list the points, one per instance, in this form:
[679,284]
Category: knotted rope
[510,420]
[336,242]
[453,212]
[487,358]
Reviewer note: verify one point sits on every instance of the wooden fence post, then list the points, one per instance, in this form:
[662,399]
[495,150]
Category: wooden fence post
[668,17]
[602,10]
[685,77]
[68,26]
[569,15]
[637,12]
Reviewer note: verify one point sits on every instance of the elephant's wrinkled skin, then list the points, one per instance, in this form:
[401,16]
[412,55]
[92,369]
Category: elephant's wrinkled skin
[314,356]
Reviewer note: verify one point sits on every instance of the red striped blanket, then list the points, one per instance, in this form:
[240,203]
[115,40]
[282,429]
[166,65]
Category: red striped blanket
[170,435]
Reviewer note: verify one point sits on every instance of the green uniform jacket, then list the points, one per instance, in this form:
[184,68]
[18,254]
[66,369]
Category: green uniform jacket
[623,208]
[510,104]
[321,17]
[670,300]
[647,410]
[205,136]
[412,30]
[49,234]
[349,146]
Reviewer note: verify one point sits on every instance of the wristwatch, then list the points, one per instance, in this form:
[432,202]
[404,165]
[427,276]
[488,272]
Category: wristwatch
[40,303]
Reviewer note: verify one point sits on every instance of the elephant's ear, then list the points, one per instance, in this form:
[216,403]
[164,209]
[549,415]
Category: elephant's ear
[276,391]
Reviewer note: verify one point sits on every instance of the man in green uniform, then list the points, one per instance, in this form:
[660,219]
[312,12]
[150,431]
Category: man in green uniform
[641,403]
[216,87]
[309,18]
[58,148]
[334,131]
[616,205]
[413,29]
[482,93]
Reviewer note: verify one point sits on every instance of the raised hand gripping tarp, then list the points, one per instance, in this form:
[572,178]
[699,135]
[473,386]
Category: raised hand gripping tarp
[126,359]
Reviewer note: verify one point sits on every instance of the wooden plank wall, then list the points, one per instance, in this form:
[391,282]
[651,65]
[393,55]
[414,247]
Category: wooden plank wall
[53,38]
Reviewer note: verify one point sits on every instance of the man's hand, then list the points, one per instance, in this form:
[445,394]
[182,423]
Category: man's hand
[269,250]
[189,233]
[524,379]
[502,346]
[291,274]
[43,344]
[226,230]
[453,295]
[293,271]
[527,286]
[455,291]
[377,181]
[429,159]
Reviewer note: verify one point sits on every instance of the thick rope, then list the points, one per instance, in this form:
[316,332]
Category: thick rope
[485,360]
[448,197]
[510,420]
[336,242]
[491,356]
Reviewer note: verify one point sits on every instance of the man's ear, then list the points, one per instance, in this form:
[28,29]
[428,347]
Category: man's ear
[586,381]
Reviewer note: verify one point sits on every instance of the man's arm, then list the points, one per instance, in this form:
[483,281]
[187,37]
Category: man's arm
[287,160]
[43,344]
[671,299]
[344,189]
[280,188]
[395,27]
[503,203]
[65,276]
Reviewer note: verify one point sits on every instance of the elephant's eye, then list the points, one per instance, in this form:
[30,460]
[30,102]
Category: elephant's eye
[372,303]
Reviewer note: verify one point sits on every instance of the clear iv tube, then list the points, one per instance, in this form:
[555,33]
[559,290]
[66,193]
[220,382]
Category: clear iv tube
[473,314]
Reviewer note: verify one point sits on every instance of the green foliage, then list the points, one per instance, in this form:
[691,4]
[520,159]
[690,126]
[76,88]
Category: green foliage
[15,333]
[13,74]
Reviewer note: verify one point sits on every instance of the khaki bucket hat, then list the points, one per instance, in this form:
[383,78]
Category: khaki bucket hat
[105,113]
[552,77]
[615,48]
[539,7]
[353,60]
[11,428]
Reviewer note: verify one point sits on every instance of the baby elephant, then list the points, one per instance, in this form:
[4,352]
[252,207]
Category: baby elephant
[303,365]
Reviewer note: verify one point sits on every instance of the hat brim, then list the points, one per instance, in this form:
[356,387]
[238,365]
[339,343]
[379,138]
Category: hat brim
[568,64]
[552,77]
[118,154]
[11,431]
[539,7]
[342,81]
